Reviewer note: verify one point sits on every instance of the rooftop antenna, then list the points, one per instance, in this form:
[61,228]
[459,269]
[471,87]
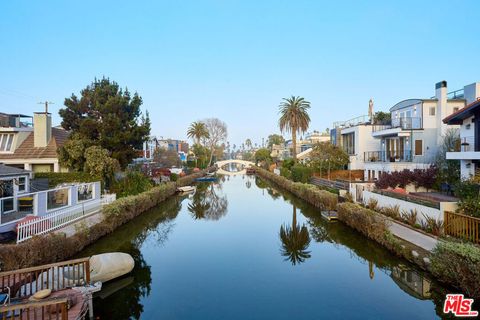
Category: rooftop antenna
[46,105]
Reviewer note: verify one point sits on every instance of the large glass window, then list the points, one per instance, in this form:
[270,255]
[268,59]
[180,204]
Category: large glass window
[349,143]
[85,192]
[57,198]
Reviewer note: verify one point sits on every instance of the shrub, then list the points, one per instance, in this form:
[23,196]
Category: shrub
[173,177]
[310,193]
[56,178]
[372,204]
[392,211]
[432,225]
[420,177]
[284,172]
[410,217]
[458,264]
[301,173]
[366,221]
[133,183]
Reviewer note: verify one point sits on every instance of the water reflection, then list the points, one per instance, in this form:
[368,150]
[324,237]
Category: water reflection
[208,202]
[411,282]
[295,241]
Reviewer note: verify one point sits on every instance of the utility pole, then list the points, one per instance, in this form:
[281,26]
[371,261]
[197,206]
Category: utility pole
[46,105]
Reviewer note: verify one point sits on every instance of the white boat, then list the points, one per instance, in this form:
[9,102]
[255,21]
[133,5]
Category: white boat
[186,189]
[107,266]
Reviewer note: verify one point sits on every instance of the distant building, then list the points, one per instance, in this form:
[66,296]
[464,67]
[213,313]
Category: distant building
[173,144]
[31,145]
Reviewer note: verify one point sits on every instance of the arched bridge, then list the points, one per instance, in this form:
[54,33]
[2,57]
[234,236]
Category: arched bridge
[221,164]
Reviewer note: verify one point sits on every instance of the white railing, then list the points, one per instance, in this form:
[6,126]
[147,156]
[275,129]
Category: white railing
[108,198]
[56,220]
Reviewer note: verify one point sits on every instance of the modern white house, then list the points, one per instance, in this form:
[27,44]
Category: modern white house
[414,134]
[355,137]
[468,118]
[31,143]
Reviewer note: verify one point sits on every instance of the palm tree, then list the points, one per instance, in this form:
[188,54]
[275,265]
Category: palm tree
[197,131]
[294,117]
[248,143]
[295,241]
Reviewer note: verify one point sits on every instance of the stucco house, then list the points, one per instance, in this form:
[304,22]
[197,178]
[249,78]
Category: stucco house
[31,145]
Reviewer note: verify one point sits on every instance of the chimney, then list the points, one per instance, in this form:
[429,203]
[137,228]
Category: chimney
[441,96]
[42,129]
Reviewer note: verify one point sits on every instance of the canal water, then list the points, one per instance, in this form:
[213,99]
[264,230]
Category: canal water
[242,249]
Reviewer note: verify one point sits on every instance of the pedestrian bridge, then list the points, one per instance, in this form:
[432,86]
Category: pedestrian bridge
[221,164]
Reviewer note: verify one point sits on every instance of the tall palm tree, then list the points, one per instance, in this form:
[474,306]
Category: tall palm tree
[294,117]
[295,241]
[197,131]
[248,143]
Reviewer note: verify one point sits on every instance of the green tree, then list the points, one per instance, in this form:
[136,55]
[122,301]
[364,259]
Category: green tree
[197,131]
[201,156]
[99,163]
[166,158]
[109,117]
[72,154]
[326,156]
[294,118]
[382,117]
[448,170]
[295,241]
[263,155]
[275,139]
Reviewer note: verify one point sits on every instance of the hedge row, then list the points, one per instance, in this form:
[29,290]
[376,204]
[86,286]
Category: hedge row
[319,198]
[56,178]
[56,247]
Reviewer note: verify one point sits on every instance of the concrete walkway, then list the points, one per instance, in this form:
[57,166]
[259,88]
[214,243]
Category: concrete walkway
[87,222]
[419,239]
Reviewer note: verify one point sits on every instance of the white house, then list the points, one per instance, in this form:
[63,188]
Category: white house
[413,136]
[355,137]
[469,120]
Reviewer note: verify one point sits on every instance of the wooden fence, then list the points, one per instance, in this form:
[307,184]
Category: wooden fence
[462,226]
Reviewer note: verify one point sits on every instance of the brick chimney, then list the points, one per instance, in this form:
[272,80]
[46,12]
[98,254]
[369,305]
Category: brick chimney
[42,129]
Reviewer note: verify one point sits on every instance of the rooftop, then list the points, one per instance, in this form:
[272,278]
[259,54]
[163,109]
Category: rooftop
[11,171]
[464,113]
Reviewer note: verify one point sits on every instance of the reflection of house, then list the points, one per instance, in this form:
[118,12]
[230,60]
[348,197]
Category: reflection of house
[411,282]
[30,146]
[413,136]
[469,120]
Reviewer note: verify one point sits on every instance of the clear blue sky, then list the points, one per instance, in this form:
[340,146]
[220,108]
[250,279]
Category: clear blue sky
[235,60]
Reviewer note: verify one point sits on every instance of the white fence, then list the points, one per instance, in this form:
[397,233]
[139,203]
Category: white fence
[108,198]
[57,219]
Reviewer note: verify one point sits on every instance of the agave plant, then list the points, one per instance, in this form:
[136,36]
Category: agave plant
[410,217]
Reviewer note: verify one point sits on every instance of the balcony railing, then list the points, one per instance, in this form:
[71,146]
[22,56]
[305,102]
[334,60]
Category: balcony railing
[388,156]
[405,123]
[467,144]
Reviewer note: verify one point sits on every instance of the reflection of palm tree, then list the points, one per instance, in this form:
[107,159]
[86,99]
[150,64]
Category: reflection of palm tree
[295,241]
[208,203]
[248,184]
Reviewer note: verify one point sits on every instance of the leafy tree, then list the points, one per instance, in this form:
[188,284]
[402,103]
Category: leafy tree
[326,156]
[72,154]
[294,118]
[263,155]
[275,139]
[133,183]
[448,170]
[109,117]
[201,155]
[166,158]
[382,117]
[197,131]
[295,241]
[217,133]
[99,163]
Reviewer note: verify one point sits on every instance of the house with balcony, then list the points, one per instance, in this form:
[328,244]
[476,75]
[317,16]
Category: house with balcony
[31,143]
[354,136]
[413,136]
[468,118]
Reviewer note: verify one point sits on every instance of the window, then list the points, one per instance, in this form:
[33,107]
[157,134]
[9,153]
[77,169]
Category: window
[432,111]
[349,143]
[418,147]
[455,109]
[21,184]
[6,141]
